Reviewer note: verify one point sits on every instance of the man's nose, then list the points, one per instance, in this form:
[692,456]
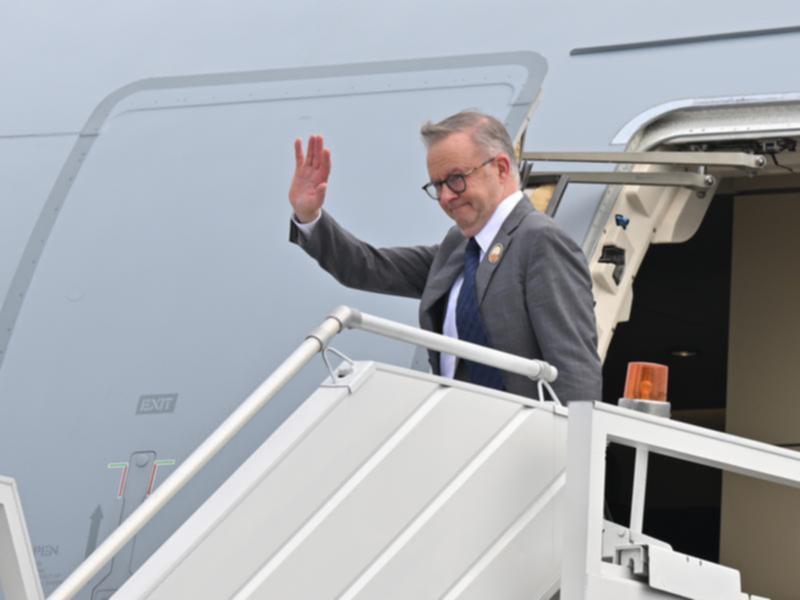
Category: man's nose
[446,195]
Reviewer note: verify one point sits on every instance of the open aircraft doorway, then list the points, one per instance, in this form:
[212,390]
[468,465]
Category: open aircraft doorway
[716,305]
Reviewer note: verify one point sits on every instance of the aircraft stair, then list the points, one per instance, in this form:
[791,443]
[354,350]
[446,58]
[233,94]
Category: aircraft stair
[384,484]
[391,483]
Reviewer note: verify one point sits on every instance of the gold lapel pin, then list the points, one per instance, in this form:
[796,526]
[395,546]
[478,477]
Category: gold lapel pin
[495,253]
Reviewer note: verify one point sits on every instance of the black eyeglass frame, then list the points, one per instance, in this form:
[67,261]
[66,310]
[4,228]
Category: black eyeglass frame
[455,182]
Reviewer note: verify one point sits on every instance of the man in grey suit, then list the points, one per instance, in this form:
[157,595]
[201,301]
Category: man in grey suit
[504,276]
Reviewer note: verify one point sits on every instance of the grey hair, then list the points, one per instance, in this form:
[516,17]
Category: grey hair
[486,132]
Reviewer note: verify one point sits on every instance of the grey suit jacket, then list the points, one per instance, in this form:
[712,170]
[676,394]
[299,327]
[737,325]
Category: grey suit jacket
[536,301]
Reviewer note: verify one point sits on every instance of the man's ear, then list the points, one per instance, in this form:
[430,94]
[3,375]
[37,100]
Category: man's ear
[503,166]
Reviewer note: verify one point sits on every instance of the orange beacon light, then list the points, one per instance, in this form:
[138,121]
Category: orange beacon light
[646,388]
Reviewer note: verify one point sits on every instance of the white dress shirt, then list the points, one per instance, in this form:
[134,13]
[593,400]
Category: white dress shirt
[447,362]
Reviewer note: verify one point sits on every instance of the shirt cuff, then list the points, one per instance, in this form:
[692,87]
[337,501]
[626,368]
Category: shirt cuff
[306,228]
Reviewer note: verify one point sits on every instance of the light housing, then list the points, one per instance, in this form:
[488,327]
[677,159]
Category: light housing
[646,388]
[646,381]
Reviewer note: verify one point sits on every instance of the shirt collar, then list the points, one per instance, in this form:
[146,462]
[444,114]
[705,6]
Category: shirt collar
[485,236]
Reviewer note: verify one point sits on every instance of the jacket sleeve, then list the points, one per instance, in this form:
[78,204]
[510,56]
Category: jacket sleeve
[560,306]
[400,271]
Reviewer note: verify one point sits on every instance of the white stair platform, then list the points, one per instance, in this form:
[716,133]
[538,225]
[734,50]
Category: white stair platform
[387,484]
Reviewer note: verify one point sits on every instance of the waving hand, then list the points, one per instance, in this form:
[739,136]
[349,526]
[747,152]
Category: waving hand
[310,181]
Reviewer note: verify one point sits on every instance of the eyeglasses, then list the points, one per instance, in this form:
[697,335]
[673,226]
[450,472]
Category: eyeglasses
[455,182]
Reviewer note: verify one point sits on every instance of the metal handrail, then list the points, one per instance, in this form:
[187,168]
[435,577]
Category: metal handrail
[591,427]
[341,318]
[532,368]
[740,160]
[694,181]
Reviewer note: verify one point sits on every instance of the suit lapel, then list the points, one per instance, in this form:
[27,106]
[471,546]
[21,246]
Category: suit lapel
[498,249]
[441,282]
[493,257]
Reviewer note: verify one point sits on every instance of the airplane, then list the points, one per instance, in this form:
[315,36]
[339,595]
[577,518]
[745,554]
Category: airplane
[148,286]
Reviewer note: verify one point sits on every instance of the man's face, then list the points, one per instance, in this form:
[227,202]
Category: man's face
[473,207]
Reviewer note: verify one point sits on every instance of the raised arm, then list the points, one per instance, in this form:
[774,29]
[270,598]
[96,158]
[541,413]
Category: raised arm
[310,180]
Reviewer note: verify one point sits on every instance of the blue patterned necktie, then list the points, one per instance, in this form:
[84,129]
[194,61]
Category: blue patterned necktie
[469,323]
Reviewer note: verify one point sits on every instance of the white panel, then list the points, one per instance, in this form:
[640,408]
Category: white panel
[265,516]
[690,577]
[473,518]
[403,488]
[390,496]
[19,579]
[529,566]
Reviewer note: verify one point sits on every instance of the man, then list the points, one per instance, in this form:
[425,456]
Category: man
[505,276]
